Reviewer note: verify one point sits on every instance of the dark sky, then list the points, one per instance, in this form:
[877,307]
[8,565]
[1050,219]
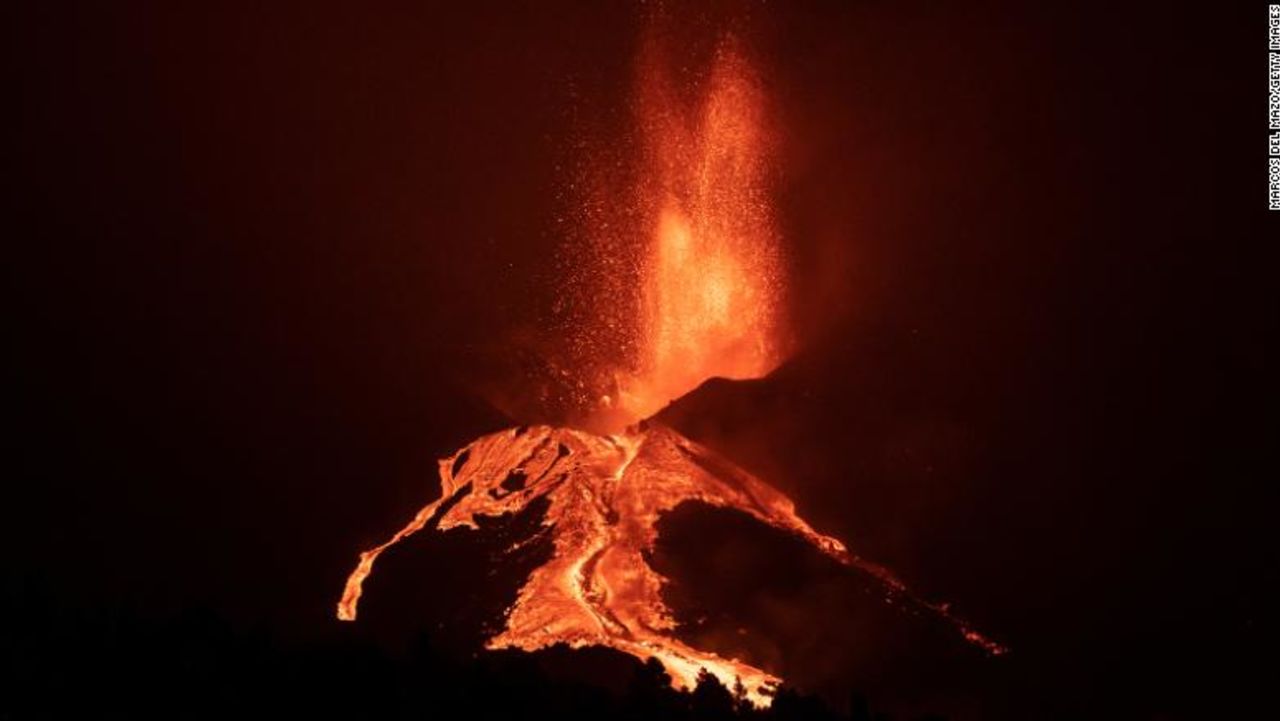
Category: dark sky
[260,258]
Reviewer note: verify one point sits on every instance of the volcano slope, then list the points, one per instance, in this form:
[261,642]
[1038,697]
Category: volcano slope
[603,496]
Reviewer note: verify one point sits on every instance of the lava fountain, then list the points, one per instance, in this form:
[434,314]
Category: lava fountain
[698,296]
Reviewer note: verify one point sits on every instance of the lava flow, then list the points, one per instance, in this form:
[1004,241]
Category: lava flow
[706,293]
[606,495]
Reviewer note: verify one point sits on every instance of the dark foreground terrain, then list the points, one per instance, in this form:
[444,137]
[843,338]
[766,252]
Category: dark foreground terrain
[61,661]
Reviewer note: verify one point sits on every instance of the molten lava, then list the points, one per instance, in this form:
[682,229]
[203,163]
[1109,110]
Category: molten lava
[711,279]
[674,269]
[690,289]
[606,494]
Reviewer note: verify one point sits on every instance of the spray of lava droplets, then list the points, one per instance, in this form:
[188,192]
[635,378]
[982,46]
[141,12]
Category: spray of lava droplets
[711,279]
[705,294]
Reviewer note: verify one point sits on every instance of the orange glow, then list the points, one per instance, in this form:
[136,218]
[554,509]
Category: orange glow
[676,273]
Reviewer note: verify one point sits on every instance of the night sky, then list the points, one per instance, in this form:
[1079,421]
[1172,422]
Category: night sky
[267,264]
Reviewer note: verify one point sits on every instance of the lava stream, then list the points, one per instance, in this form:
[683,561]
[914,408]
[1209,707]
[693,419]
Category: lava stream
[606,494]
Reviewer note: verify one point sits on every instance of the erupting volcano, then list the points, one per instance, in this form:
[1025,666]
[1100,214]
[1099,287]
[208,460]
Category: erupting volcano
[680,283]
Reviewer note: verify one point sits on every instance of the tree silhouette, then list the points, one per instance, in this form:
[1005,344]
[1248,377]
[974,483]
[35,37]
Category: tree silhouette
[61,661]
[711,700]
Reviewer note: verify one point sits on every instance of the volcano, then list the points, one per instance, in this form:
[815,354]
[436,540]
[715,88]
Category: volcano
[678,278]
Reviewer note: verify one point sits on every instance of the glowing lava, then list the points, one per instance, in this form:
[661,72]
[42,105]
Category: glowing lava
[675,274]
[711,279]
[606,494]
[689,289]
